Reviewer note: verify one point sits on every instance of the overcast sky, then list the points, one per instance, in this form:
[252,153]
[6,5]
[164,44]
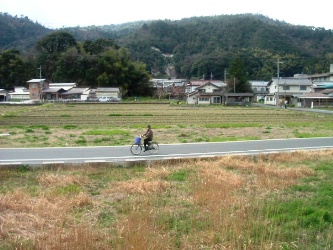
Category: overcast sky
[70,13]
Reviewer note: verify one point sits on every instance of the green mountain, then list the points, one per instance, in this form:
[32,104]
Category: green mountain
[199,47]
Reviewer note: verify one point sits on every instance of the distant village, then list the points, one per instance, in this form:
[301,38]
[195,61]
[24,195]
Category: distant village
[299,91]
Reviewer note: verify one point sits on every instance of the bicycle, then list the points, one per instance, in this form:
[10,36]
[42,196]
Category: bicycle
[137,147]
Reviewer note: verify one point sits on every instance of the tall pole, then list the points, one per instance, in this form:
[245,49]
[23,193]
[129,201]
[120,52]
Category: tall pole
[278,79]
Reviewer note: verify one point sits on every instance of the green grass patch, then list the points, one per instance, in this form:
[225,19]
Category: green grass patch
[9,115]
[70,126]
[43,127]
[69,189]
[308,135]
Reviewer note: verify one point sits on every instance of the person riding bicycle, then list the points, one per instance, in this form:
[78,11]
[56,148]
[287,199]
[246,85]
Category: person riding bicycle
[148,137]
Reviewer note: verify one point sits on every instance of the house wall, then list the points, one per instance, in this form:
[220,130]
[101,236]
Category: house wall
[35,91]
[209,88]
[192,99]
[292,88]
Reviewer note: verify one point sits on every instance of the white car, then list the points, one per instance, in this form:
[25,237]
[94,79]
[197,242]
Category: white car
[104,99]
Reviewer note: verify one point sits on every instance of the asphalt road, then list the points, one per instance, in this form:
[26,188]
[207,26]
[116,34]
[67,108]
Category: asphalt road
[122,154]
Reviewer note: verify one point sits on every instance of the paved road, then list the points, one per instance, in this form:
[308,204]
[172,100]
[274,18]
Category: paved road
[122,154]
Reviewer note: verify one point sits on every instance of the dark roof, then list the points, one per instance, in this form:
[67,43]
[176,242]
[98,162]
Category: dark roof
[74,91]
[53,90]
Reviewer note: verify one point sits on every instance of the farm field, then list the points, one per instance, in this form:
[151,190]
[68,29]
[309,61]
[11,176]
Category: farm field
[268,201]
[60,125]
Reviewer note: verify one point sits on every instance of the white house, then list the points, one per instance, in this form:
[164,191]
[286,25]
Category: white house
[284,88]
[19,93]
[209,93]
[259,89]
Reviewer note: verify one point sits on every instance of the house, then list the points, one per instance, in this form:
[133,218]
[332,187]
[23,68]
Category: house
[3,95]
[284,88]
[35,88]
[214,93]
[174,88]
[310,100]
[208,93]
[48,94]
[78,94]
[114,92]
[19,94]
[259,89]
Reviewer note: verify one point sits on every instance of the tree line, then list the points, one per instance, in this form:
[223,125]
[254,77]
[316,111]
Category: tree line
[99,63]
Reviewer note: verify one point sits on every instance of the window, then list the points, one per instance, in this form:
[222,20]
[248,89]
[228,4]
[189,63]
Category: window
[202,90]
[203,99]
[34,85]
[285,87]
[302,87]
[216,99]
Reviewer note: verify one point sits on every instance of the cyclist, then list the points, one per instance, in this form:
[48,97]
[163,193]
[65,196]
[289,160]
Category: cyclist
[148,137]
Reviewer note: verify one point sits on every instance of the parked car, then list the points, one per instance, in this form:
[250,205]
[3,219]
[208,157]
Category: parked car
[104,99]
[92,99]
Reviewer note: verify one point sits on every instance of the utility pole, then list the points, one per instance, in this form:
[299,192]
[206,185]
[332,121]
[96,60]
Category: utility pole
[278,79]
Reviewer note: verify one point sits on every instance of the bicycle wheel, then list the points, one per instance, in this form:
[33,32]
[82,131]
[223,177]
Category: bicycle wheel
[153,147]
[136,149]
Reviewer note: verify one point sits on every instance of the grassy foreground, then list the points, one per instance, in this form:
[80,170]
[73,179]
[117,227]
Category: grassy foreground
[274,201]
[61,125]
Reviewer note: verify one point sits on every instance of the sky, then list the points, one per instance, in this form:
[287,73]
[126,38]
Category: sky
[70,13]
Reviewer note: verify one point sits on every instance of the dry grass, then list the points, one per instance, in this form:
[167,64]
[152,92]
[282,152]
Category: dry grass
[192,204]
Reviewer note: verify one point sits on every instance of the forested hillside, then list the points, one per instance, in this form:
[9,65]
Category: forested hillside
[19,32]
[201,45]
[197,47]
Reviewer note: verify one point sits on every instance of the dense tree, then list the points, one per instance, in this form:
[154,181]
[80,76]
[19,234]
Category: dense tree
[14,70]
[237,80]
[50,49]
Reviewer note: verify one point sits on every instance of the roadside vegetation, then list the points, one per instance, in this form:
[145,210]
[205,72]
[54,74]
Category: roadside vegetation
[269,201]
[60,125]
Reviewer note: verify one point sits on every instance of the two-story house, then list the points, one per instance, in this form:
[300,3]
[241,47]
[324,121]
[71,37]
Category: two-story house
[208,93]
[36,87]
[286,88]
[259,89]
